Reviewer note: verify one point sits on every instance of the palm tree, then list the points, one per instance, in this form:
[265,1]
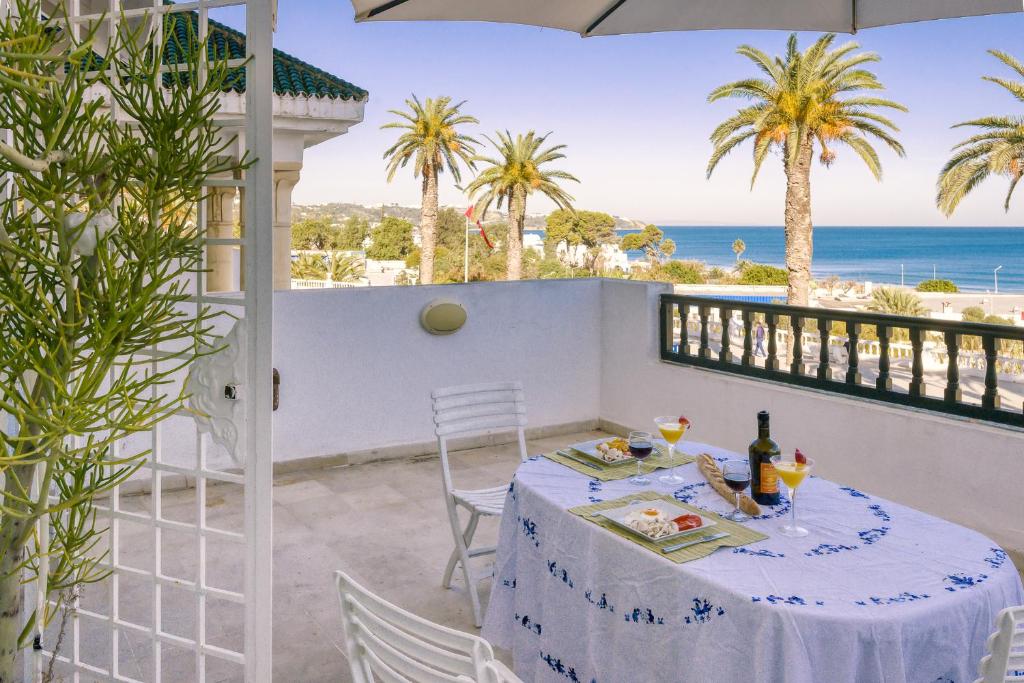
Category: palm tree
[514,176]
[345,267]
[309,267]
[738,247]
[897,301]
[805,99]
[997,150]
[433,143]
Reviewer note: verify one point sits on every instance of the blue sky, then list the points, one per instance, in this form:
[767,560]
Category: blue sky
[632,111]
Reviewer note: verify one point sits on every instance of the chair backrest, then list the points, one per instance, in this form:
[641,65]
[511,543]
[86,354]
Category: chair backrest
[479,408]
[386,643]
[1005,661]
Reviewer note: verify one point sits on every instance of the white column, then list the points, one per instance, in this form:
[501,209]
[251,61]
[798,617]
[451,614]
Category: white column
[220,224]
[286,174]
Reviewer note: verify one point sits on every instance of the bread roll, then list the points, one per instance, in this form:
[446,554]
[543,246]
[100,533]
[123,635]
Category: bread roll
[709,468]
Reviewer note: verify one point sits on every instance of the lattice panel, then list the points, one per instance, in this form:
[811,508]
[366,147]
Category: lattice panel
[189,594]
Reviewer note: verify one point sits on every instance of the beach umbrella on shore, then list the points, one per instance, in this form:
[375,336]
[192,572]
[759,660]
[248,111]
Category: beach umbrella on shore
[615,17]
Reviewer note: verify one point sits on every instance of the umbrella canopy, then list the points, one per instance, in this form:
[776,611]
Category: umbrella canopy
[614,17]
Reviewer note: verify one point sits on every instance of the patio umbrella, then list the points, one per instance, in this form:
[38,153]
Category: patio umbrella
[613,17]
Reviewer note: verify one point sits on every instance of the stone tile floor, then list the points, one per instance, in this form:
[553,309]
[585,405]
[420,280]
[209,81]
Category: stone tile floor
[384,523]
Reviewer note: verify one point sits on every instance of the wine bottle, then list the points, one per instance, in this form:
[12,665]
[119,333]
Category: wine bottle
[764,480]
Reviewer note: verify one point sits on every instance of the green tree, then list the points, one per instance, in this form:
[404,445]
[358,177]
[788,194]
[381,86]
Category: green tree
[763,274]
[314,233]
[805,99]
[451,229]
[97,243]
[738,247]
[432,141]
[391,240]
[589,229]
[679,272]
[516,173]
[651,241]
[997,149]
[937,286]
[973,314]
[353,233]
[309,267]
[668,247]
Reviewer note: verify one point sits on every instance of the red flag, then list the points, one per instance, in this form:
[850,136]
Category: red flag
[469,215]
[484,235]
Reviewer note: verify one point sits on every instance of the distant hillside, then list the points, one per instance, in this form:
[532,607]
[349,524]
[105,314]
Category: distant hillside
[339,211]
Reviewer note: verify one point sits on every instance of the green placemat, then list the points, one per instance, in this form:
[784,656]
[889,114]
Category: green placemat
[738,534]
[615,472]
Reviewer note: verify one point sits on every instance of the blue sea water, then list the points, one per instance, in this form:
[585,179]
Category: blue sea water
[967,256]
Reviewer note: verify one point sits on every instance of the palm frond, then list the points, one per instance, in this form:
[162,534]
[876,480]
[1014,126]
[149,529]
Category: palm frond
[997,150]
[820,93]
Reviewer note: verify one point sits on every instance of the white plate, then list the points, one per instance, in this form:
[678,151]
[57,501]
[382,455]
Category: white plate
[589,449]
[617,516]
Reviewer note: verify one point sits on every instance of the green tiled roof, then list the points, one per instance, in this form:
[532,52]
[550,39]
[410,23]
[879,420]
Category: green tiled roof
[292,76]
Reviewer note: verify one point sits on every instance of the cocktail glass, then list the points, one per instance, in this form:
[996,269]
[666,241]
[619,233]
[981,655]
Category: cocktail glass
[792,473]
[672,430]
[641,444]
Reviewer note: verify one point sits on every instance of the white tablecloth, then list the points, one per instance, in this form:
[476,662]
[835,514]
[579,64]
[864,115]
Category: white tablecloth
[877,592]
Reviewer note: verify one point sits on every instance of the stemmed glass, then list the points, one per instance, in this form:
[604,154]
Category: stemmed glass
[737,477]
[792,472]
[672,429]
[640,446]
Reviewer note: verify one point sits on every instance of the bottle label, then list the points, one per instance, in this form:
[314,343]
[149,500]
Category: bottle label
[769,478]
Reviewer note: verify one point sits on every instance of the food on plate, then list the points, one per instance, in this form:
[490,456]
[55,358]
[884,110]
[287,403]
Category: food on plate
[651,522]
[713,473]
[687,522]
[614,450]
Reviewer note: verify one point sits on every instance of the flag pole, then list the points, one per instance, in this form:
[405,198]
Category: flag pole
[465,261]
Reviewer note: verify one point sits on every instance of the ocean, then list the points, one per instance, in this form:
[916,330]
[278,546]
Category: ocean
[967,256]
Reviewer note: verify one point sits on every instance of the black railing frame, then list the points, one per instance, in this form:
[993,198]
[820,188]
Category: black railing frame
[849,383]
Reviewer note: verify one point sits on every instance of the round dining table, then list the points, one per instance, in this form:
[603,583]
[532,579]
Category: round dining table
[877,592]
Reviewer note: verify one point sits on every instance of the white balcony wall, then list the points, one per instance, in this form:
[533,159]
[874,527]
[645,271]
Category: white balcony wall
[357,368]
[962,470]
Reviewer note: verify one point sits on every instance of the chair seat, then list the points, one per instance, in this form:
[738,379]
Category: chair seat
[485,501]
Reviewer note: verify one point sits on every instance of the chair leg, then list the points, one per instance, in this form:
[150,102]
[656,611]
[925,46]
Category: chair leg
[471,583]
[446,582]
[467,538]
[463,537]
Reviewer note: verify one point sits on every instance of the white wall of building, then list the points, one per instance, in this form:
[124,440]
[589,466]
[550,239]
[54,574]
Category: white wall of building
[959,469]
[357,368]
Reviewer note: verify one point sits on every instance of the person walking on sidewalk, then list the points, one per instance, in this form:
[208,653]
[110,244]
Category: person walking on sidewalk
[759,339]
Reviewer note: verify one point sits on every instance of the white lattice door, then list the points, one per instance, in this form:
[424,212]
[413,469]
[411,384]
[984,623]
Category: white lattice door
[189,546]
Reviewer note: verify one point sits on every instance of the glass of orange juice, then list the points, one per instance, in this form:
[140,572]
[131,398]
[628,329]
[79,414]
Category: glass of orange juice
[672,429]
[793,469]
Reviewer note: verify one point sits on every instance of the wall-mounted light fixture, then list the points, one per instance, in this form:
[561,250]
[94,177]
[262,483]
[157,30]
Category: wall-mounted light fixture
[443,316]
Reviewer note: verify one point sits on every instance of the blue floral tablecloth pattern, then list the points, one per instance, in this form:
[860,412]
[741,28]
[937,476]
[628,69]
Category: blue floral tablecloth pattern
[877,592]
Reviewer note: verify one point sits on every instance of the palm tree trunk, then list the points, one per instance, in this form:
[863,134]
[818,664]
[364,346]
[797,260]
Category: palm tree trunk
[516,221]
[799,230]
[428,226]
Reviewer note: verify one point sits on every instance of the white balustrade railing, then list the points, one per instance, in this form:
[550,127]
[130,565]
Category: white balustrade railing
[324,284]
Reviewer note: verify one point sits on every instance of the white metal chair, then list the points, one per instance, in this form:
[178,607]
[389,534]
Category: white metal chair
[1005,661]
[388,644]
[463,411]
